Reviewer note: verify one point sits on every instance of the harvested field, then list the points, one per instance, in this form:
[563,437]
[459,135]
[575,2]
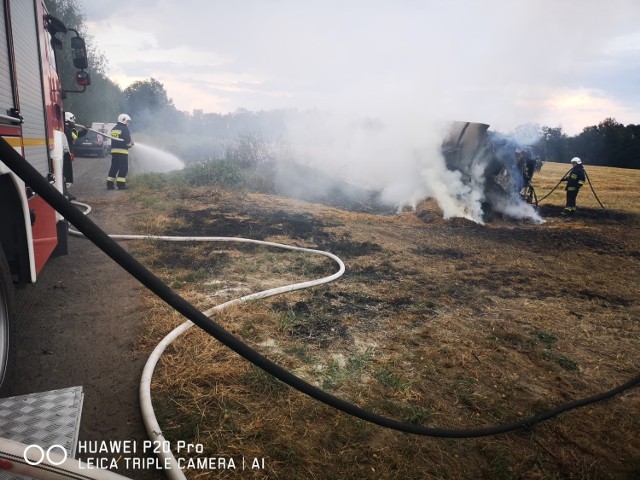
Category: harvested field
[440,323]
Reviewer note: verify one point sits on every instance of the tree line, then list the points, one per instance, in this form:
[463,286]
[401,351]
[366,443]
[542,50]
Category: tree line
[609,143]
[104,100]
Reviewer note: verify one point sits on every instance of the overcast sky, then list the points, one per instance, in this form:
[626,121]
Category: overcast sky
[567,63]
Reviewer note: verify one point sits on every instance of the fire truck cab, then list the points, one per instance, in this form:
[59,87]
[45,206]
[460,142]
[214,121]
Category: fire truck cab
[32,122]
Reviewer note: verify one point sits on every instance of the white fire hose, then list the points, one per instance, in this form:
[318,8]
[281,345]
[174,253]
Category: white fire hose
[148,415]
[105,135]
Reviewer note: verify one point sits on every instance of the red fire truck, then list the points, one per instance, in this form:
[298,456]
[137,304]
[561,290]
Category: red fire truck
[32,122]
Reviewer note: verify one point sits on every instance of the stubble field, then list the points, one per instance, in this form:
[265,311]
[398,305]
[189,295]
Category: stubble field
[438,323]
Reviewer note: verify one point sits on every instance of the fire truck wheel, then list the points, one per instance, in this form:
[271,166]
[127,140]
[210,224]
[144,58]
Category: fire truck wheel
[7,314]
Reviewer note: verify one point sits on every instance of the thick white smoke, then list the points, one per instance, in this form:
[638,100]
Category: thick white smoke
[495,62]
[407,64]
[404,163]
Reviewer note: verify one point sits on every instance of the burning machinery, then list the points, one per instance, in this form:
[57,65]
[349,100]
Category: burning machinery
[492,162]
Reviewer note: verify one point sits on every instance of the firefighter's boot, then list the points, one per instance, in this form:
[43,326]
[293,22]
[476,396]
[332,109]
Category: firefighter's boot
[110,185]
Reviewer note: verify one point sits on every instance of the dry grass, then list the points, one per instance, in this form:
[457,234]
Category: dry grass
[444,324]
[615,187]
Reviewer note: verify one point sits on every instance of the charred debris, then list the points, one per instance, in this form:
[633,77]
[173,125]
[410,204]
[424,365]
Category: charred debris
[493,162]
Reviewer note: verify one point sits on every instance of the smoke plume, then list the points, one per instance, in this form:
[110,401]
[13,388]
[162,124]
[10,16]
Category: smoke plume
[406,165]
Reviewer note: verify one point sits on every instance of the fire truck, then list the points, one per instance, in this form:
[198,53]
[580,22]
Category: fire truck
[32,122]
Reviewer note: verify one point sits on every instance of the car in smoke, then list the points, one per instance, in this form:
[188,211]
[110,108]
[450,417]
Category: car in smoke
[90,144]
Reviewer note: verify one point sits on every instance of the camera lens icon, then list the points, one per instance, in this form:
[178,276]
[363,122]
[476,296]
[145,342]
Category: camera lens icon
[54,455]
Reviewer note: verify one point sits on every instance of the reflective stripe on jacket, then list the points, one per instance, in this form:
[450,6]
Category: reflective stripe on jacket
[120,139]
[576,178]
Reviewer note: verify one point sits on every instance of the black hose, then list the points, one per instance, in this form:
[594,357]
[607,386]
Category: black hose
[594,192]
[554,188]
[109,246]
[562,179]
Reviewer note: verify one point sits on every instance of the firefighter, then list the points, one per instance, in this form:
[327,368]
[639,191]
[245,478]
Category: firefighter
[71,132]
[527,164]
[120,143]
[575,180]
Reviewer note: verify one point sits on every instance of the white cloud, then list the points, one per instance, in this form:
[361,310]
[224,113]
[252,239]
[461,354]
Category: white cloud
[579,108]
[496,61]
[126,45]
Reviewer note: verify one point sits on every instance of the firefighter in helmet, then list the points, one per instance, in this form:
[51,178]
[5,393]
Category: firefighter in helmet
[575,179]
[70,129]
[120,143]
[71,132]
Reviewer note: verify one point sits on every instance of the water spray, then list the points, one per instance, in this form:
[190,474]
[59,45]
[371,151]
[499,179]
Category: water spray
[154,160]
[150,159]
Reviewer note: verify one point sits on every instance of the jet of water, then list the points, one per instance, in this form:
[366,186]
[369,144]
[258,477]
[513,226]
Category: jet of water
[146,158]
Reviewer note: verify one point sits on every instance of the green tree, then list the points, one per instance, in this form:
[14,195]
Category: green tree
[613,142]
[609,143]
[102,100]
[588,145]
[632,159]
[553,144]
[146,101]
[69,12]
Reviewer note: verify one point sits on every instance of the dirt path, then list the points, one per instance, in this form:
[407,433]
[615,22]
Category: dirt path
[78,324]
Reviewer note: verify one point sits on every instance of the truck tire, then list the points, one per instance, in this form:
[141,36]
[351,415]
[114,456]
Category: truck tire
[7,316]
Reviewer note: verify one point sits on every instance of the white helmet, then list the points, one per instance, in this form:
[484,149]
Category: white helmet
[69,117]
[576,160]
[124,118]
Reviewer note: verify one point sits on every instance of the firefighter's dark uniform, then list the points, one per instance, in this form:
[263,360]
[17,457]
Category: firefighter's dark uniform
[120,144]
[575,180]
[527,167]
[71,132]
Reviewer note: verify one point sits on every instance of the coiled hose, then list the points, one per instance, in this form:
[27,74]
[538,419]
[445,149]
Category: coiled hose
[148,415]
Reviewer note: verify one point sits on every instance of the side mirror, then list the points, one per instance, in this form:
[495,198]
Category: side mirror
[83,79]
[79,53]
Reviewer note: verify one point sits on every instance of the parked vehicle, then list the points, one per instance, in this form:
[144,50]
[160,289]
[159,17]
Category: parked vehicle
[106,129]
[90,144]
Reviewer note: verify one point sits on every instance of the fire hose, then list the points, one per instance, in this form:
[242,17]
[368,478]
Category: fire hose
[563,179]
[79,220]
[105,135]
[148,415]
